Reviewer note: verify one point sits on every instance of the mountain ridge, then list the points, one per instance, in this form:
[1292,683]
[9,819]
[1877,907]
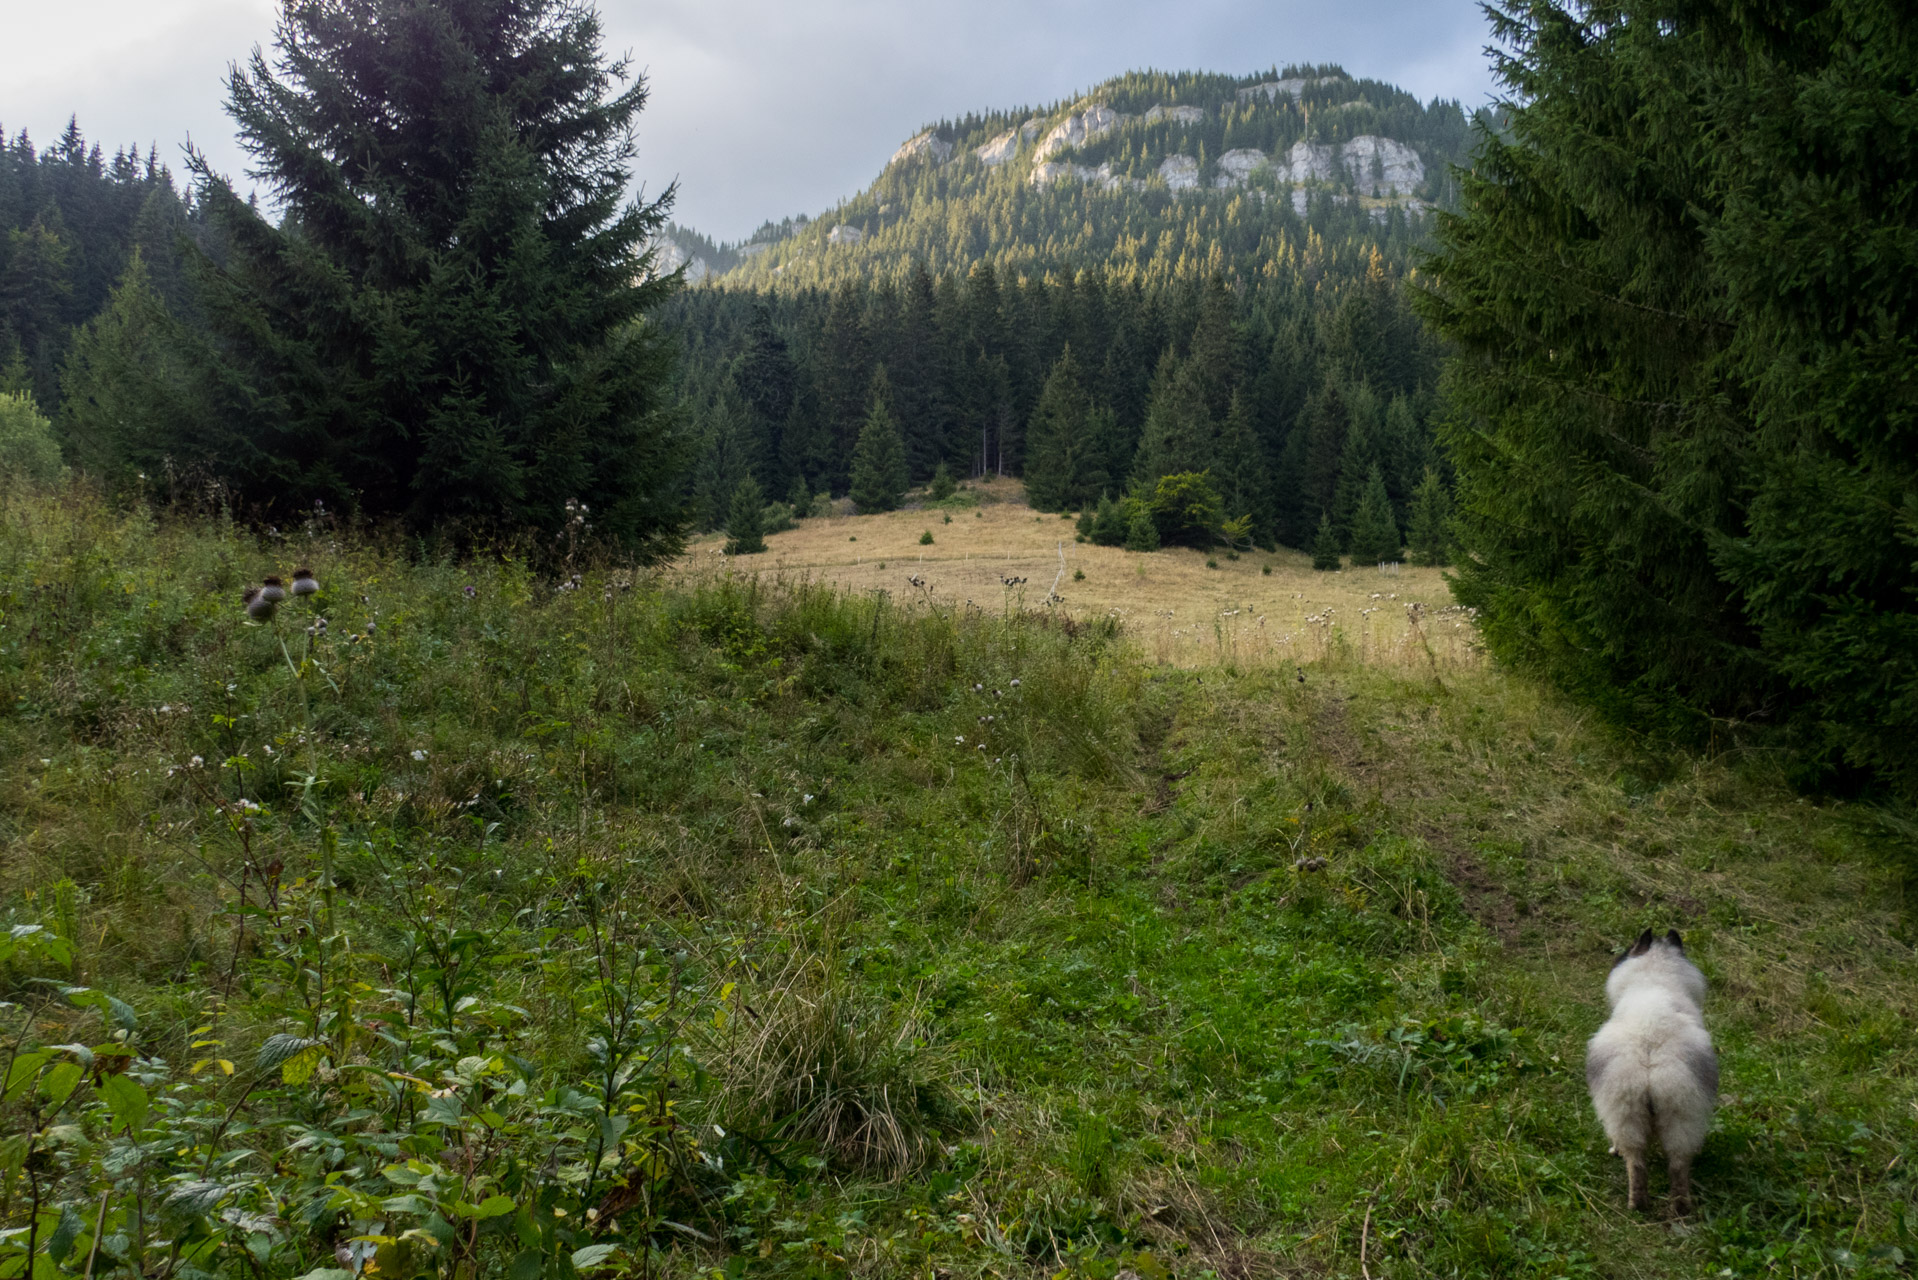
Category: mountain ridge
[1282,154]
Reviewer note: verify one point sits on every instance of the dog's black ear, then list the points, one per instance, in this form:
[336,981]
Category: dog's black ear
[1671,936]
[1643,944]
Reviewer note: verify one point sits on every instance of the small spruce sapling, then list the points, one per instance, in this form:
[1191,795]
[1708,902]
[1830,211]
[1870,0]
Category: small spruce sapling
[1431,521]
[1142,531]
[1375,534]
[1325,545]
[745,522]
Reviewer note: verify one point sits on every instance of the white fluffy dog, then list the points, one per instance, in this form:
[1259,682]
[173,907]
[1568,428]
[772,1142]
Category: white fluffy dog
[1651,1067]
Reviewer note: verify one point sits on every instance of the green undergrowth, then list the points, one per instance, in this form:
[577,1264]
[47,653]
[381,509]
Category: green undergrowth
[539,922]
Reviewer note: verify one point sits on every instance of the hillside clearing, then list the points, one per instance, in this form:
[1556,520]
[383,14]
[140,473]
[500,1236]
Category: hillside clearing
[932,941]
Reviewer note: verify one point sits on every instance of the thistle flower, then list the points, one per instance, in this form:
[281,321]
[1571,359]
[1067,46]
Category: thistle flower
[272,589]
[304,583]
[470,591]
[259,606]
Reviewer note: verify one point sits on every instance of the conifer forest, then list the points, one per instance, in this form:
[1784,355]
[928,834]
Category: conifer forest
[1109,706]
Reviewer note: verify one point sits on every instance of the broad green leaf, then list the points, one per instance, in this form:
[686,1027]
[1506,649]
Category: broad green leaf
[278,1048]
[60,1243]
[127,1101]
[299,1068]
[493,1207]
[25,1067]
[527,1266]
[593,1254]
[58,1084]
[328,1273]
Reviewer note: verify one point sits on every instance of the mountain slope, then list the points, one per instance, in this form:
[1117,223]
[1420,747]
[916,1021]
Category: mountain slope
[1152,175]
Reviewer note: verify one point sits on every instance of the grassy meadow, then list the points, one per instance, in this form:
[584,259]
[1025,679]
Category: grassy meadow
[1181,607]
[574,919]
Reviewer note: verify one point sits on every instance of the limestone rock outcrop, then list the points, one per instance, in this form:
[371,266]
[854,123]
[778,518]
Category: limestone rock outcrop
[1382,166]
[1047,172]
[669,256]
[843,234]
[927,145]
[999,150]
[1181,173]
[1184,115]
[1310,162]
[1235,166]
[1376,166]
[1078,129]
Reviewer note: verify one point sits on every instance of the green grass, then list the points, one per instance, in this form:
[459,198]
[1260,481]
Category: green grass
[700,908]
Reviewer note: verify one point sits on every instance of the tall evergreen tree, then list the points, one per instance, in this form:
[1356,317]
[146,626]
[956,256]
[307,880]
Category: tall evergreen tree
[845,371]
[1375,534]
[134,391]
[1325,545]
[1180,433]
[1429,533]
[879,461]
[447,324]
[1240,474]
[746,520]
[1684,300]
[1065,467]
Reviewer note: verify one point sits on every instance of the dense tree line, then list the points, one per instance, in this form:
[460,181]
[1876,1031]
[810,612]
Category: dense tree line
[1296,401]
[71,220]
[1684,292]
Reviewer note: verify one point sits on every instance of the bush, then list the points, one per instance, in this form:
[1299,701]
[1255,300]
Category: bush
[27,449]
[778,517]
[1187,509]
[925,539]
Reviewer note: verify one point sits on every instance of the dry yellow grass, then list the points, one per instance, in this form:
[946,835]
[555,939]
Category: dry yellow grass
[1178,610]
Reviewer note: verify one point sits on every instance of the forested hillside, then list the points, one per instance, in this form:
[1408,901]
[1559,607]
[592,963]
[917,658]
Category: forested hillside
[1174,273]
[71,218]
[1151,175]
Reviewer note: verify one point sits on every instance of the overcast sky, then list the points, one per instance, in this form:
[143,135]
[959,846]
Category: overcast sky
[760,108]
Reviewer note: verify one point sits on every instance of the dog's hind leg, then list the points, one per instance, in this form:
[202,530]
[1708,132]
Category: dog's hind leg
[1636,1177]
[1681,1170]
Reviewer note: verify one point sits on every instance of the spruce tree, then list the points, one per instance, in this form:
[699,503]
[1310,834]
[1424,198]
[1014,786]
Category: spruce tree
[1240,474]
[1429,532]
[942,486]
[746,520]
[1375,534]
[446,323]
[879,460]
[1681,295]
[134,392]
[1142,531]
[1325,545]
[1063,467]
[1180,434]
[1108,523]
